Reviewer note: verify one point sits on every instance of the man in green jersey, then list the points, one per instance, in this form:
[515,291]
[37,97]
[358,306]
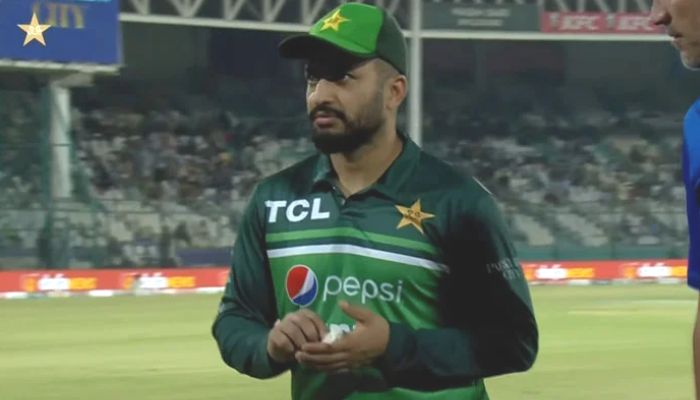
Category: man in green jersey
[374,238]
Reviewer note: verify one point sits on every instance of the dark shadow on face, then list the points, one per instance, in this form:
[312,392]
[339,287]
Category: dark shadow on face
[356,131]
[357,126]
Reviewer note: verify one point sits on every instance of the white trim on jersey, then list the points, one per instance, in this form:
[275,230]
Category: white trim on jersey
[358,251]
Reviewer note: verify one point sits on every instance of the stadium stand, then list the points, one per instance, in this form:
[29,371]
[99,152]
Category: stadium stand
[162,177]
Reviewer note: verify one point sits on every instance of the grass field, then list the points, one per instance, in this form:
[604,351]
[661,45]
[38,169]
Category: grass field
[600,342]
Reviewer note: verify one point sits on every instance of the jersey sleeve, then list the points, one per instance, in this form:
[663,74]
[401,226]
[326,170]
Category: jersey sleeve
[691,148]
[246,312]
[691,177]
[490,327]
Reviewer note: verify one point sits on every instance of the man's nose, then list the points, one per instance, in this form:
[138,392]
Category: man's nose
[322,91]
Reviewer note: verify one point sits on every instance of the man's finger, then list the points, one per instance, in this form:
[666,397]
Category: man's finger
[280,341]
[307,327]
[320,360]
[316,320]
[347,342]
[318,348]
[359,314]
[295,335]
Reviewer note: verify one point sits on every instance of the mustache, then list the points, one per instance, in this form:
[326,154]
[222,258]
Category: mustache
[327,110]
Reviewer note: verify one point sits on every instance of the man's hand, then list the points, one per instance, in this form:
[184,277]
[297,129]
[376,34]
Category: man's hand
[292,332]
[357,349]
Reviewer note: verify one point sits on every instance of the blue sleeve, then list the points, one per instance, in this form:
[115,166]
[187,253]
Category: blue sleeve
[691,177]
[691,148]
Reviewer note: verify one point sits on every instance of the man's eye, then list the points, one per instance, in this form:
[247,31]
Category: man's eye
[313,77]
[342,77]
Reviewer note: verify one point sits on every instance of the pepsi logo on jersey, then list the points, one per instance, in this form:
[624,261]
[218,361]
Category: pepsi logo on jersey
[302,285]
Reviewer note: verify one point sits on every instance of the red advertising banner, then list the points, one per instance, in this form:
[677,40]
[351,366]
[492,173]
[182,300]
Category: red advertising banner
[629,270]
[556,22]
[574,22]
[634,23]
[110,282]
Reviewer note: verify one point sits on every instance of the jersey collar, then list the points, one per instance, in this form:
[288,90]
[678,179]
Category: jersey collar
[390,184]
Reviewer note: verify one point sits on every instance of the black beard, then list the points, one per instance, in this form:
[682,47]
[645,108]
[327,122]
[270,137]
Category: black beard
[346,142]
[355,135]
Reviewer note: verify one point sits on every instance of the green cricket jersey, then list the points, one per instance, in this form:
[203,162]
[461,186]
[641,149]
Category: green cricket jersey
[424,247]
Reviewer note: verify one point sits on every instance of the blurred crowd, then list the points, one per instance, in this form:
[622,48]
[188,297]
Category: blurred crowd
[163,179]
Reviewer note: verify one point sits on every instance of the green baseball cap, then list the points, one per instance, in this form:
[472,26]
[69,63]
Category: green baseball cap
[359,30]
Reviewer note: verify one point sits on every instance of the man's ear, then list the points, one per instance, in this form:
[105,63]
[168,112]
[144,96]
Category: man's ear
[398,89]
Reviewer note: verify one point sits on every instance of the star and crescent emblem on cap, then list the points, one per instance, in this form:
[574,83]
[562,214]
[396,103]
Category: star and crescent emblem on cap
[34,30]
[334,21]
[413,216]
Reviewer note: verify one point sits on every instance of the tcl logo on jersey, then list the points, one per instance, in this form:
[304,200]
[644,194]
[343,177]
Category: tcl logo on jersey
[302,287]
[297,210]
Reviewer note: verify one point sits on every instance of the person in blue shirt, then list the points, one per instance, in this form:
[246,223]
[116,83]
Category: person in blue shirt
[681,18]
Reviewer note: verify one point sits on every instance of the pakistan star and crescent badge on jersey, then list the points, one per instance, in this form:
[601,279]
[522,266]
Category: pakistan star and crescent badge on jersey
[413,216]
[334,21]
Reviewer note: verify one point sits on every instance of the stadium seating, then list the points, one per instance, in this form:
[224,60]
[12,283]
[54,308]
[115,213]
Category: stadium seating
[154,181]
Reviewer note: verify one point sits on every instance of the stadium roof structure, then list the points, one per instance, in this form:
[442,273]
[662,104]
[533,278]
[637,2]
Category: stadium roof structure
[278,15]
[298,15]
[307,11]
[419,19]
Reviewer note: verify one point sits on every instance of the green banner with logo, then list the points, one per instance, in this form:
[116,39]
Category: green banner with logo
[481,17]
